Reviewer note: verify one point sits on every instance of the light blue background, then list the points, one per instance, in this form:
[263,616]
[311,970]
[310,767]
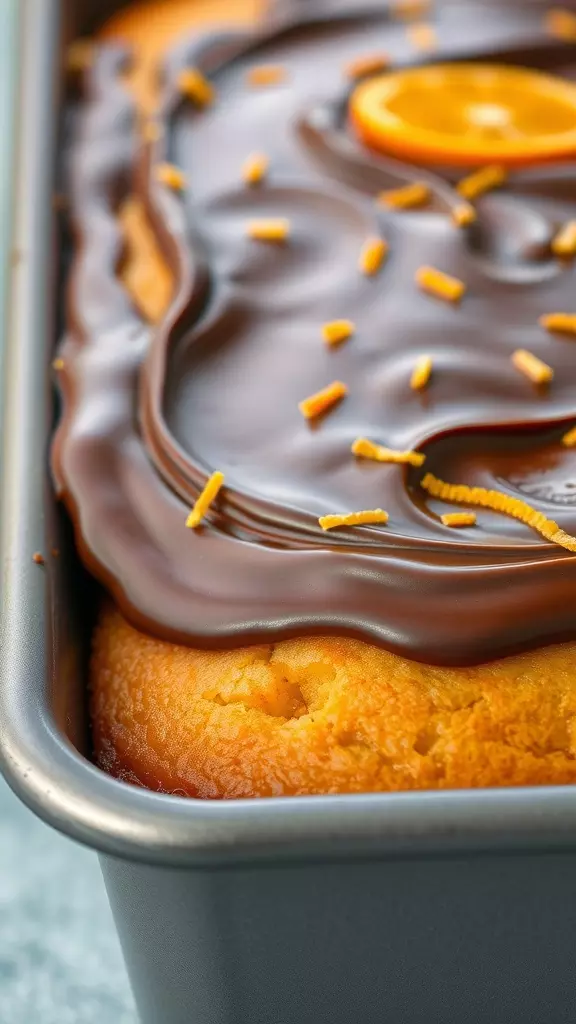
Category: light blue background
[60,962]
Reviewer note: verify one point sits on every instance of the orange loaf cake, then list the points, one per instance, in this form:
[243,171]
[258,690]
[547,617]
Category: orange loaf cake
[318,389]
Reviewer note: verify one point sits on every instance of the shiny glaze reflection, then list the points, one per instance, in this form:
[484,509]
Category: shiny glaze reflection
[149,414]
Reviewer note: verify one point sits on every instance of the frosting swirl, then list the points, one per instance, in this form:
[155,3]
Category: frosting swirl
[150,413]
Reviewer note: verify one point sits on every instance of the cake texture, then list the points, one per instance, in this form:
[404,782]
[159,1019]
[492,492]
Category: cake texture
[320,326]
[325,715]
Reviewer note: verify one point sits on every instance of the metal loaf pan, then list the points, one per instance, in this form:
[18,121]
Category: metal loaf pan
[420,908]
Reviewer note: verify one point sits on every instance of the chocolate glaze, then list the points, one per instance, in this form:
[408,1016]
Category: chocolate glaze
[149,413]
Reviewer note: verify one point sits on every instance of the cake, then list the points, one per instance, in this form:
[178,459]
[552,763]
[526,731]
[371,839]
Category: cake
[317,438]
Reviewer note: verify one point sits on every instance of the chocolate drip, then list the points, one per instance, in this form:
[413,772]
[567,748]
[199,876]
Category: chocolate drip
[149,414]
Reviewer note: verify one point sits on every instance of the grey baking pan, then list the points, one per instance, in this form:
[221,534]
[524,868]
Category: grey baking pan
[420,908]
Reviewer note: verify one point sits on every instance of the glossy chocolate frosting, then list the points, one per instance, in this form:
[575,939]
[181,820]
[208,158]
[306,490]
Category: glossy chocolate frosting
[149,413]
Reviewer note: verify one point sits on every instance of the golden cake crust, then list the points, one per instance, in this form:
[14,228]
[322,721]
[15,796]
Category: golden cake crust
[325,715]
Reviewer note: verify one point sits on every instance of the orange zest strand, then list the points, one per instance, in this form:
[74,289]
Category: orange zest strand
[171,176]
[372,256]
[151,131]
[323,400]
[80,55]
[266,74]
[532,367]
[410,8]
[459,519]
[193,84]
[255,168]
[421,373]
[369,64]
[564,243]
[375,515]
[378,453]
[564,323]
[276,229]
[481,181]
[337,331]
[406,197]
[561,23]
[441,285]
[204,500]
[499,502]
[422,37]
[463,215]
[569,439]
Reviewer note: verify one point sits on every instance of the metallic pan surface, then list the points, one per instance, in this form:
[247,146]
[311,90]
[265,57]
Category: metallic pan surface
[39,692]
[406,909]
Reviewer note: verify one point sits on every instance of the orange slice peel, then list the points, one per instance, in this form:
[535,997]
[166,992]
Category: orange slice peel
[467,115]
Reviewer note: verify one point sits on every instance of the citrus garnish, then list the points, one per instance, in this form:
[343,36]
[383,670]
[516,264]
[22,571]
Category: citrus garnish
[370,518]
[205,499]
[467,114]
[498,501]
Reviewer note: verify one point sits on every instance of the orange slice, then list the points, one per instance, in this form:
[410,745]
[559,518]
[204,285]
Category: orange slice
[467,114]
